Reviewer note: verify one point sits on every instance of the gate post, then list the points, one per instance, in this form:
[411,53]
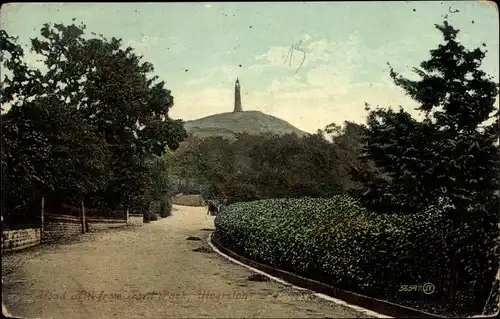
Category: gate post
[42,219]
[83,218]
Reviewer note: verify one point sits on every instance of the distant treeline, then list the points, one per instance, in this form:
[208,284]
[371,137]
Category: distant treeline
[269,166]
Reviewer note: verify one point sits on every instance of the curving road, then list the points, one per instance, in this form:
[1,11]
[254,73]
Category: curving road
[149,272]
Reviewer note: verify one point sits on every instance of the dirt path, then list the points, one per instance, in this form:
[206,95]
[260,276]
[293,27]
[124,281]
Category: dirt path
[109,275]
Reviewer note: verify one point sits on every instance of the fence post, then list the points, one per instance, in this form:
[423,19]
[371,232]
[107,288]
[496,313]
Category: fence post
[42,219]
[126,216]
[83,218]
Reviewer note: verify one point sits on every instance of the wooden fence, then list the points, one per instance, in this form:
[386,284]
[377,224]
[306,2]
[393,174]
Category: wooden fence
[52,224]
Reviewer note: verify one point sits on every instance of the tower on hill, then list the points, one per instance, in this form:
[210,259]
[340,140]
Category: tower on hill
[237,97]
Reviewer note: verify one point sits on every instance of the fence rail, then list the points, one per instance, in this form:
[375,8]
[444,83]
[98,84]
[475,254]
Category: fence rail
[31,215]
[57,221]
[91,212]
[95,213]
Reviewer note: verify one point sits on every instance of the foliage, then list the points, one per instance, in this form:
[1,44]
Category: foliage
[166,207]
[92,124]
[268,166]
[24,154]
[452,153]
[337,241]
[152,216]
[24,151]
[155,181]
[450,158]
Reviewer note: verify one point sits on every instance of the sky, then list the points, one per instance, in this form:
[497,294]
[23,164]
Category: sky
[339,50]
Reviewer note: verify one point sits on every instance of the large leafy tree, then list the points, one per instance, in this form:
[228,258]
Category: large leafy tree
[155,183]
[24,151]
[348,144]
[112,92]
[448,159]
[451,154]
[85,126]
[53,144]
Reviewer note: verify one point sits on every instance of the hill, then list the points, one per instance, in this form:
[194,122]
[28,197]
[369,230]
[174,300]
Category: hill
[251,122]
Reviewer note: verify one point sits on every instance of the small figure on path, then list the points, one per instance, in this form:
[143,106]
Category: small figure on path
[213,208]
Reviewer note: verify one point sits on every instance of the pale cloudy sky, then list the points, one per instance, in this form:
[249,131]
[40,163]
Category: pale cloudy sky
[200,48]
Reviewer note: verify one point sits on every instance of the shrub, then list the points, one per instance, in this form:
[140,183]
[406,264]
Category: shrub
[166,207]
[170,203]
[152,216]
[149,216]
[145,218]
[339,242]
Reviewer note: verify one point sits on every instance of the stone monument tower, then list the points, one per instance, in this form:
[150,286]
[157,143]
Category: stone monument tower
[237,97]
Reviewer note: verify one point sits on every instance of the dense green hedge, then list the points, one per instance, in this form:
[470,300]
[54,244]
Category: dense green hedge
[338,242]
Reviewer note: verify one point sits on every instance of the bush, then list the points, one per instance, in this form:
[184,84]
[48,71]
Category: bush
[166,207]
[152,216]
[149,216]
[170,203]
[339,242]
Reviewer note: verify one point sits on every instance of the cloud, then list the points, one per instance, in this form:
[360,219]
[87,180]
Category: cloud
[275,56]
[307,106]
[203,78]
[321,92]
[328,67]
[153,44]
[200,103]
[327,88]
[227,72]
[144,42]
[195,81]
[307,53]
[311,108]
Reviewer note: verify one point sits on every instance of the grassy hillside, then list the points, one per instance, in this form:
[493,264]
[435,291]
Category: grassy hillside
[227,124]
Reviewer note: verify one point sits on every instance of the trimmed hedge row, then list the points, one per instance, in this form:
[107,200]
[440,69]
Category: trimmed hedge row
[337,241]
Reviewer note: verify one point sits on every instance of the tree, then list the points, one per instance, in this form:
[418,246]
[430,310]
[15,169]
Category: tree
[24,150]
[156,184]
[110,89]
[440,156]
[450,157]
[269,166]
[88,125]
[348,144]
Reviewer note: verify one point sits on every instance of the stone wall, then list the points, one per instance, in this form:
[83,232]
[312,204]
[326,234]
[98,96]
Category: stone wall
[95,224]
[57,227]
[61,226]
[20,239]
